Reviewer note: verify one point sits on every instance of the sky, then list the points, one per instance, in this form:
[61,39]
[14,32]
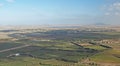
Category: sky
[37,12]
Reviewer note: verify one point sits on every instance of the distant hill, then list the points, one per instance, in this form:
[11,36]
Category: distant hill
[100,24]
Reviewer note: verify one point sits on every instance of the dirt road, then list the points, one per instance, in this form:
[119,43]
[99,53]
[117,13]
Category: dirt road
[14,48]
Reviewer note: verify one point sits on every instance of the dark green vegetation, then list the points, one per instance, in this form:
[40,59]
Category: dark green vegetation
[67,35]
[6,45]
[62,47]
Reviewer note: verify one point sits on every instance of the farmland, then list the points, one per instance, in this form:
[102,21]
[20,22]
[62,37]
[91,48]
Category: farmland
[80,46]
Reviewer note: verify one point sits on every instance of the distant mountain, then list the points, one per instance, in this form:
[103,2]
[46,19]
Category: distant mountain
[100,24]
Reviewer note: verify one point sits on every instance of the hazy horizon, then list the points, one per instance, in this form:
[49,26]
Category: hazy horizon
[43,12]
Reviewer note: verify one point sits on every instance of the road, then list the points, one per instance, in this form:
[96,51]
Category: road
[14,48]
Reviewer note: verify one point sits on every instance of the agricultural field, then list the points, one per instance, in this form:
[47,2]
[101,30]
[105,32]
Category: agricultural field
[60,47]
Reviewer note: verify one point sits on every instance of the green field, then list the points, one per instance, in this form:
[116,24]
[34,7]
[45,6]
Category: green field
[60,48]
[96,47]
[109,56]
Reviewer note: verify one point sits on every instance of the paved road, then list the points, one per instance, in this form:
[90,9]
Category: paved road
[14,48]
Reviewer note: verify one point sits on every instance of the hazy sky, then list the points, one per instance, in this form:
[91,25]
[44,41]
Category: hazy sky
[35,12]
